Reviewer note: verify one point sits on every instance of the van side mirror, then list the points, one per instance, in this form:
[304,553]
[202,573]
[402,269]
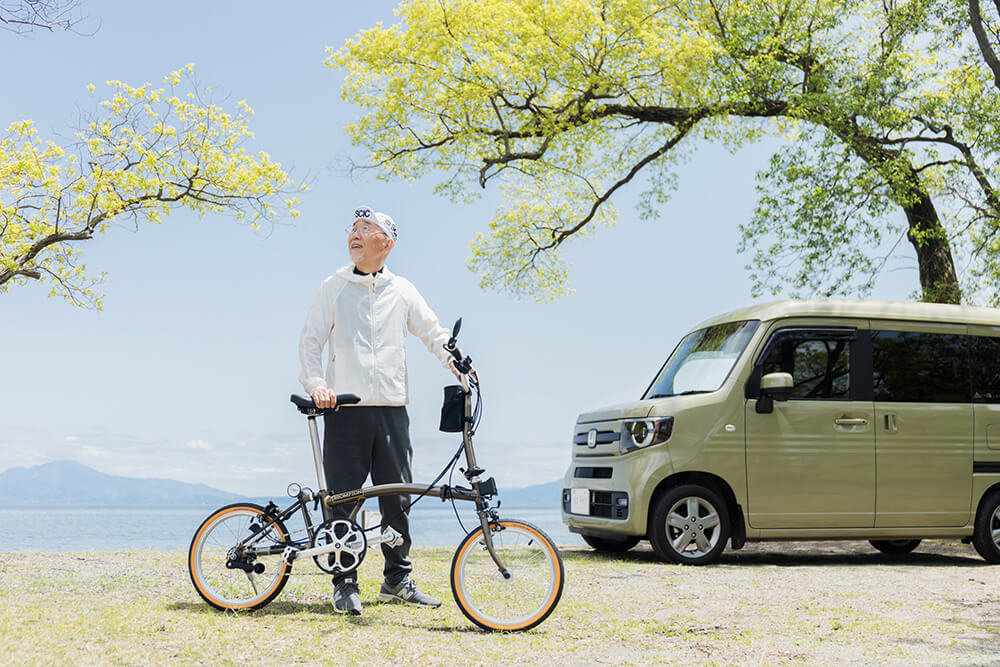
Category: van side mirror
[774,387]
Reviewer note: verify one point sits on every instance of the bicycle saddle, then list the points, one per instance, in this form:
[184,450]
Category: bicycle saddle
[308,407]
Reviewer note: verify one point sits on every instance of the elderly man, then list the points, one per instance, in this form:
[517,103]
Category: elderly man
[363,312]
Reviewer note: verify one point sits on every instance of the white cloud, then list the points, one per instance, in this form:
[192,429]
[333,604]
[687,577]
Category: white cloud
[199,444]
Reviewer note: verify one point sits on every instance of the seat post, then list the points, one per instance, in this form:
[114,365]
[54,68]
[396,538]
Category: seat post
[317,452]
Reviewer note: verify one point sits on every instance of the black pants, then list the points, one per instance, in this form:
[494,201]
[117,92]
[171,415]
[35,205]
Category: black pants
[372,439]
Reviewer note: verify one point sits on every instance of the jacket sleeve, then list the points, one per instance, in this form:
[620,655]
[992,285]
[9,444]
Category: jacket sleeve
[315,335]
[423,323]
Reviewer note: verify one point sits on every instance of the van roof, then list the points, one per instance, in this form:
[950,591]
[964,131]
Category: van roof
[886,310]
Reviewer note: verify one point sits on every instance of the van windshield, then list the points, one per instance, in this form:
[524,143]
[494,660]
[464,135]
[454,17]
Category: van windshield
[703,360]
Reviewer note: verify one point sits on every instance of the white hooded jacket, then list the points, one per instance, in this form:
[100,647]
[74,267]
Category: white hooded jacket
[365,320]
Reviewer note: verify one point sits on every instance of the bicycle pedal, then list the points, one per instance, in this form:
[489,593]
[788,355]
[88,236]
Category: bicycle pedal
[391,537]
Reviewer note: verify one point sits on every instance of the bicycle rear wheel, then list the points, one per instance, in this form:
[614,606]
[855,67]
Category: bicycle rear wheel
[519,602]
[235,558]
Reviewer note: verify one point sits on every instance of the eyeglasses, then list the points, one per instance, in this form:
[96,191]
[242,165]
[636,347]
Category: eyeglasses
[364,229]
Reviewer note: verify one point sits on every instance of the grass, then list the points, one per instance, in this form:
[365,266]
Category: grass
[771,604]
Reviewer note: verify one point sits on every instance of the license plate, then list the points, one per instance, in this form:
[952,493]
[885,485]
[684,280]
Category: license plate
[579,501]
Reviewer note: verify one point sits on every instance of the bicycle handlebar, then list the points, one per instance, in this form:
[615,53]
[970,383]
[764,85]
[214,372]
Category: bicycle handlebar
[462,363]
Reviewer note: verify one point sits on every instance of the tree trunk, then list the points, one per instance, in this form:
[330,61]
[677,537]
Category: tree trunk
[938,280]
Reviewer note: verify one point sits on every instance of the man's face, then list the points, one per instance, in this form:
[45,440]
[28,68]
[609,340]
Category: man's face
[367,244]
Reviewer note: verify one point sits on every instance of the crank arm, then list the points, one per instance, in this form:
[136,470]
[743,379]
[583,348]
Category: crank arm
[314,551]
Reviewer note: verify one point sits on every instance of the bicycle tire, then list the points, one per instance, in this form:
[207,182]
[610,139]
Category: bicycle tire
[233,589]
[520,602]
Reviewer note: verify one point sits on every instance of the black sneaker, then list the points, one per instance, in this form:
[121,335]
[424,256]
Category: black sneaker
[406,592]
[346,599]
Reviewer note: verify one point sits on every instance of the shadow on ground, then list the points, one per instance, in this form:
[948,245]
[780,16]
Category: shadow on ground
[807,554]
[423,619]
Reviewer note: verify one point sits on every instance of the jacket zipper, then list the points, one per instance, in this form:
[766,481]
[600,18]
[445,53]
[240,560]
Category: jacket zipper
[374,358]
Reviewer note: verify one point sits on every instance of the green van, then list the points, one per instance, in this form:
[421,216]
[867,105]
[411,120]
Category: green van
[802,420]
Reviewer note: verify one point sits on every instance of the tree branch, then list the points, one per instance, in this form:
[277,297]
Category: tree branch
[22,16]
[557,238]
[989,55]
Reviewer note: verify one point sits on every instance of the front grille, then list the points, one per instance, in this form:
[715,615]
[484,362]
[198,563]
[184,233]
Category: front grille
[592,473]
[603,437]
[604,504]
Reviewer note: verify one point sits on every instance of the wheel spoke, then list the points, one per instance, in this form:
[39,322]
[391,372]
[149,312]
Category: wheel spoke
[692,509]
[682,541]
[704,546]
[995,536]
[676,521]
[710,521]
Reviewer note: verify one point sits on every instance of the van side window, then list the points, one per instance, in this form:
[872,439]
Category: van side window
[920,367]
[820,367]
[986,369]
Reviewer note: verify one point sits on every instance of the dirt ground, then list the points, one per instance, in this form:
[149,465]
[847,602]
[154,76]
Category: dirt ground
[772,603]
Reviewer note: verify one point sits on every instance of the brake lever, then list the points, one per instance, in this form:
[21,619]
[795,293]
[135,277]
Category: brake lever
[464,365]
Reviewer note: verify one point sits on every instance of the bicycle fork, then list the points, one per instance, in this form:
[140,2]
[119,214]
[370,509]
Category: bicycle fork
[484,521]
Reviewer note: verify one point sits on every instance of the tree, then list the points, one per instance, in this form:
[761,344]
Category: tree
[22,16]
[145,152]
[888,107]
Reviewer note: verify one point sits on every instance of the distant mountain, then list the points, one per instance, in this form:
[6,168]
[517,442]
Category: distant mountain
[63,483]
[70,483]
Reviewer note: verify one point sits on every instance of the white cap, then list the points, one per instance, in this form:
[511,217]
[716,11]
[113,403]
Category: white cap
[385,222]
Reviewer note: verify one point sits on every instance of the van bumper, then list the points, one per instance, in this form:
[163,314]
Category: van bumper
[609,495]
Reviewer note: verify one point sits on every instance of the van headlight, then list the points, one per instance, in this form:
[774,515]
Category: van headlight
[645,432]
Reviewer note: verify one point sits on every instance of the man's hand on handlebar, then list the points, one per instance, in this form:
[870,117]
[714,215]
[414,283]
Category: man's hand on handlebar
[324,398]
[458,376]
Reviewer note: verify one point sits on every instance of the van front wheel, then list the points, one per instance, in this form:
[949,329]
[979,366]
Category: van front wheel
[689,525]
[986,538]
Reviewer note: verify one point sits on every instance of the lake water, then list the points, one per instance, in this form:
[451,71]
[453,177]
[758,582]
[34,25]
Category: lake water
[432,524]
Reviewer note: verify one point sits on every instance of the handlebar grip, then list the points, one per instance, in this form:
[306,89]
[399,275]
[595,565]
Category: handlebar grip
[453,350]
[348,399]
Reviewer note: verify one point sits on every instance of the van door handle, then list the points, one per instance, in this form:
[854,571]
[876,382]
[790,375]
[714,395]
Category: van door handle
[850,421]
[890,422]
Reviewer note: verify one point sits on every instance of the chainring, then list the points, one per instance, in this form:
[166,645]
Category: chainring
[350,548]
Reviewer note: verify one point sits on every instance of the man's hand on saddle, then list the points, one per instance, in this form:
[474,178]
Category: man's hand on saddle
[324,398]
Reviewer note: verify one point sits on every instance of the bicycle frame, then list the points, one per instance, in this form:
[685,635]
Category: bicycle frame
[479,493]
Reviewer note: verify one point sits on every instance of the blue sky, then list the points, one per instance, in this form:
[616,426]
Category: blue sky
[186,373]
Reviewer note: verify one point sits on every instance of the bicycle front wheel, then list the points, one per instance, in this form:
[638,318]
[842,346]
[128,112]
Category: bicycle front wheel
[525,597]
[235,558]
